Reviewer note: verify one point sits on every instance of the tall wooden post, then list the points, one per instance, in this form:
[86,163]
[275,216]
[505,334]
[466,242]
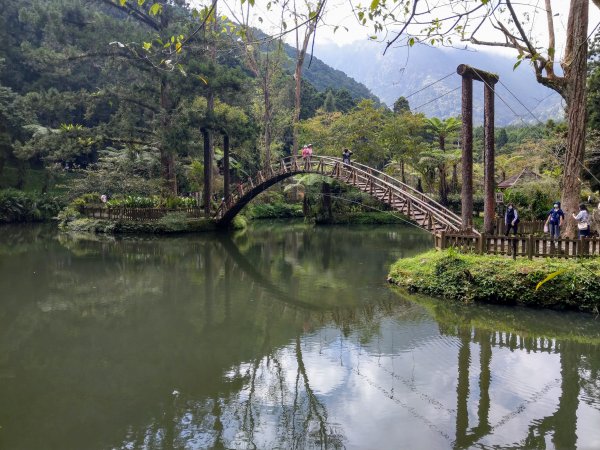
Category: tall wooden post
[467,152]
[489,79]
[489,182]
[226,180]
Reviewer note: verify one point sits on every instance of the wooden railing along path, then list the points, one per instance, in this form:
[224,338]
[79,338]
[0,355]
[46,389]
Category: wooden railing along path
[525,226]
[529,246]
[146,214]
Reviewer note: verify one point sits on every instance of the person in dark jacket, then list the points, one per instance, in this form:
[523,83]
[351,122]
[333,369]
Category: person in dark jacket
[511,219]
[555,219]
[346,156]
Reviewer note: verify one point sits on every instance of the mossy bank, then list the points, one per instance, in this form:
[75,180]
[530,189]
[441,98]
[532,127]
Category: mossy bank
[496,279]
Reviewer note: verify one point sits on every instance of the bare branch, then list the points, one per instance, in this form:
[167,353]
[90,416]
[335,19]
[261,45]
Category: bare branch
[551,40]
[140,16]
[524,37]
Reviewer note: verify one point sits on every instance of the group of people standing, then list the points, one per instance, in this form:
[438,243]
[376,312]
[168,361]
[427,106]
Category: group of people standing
[554,220]
[307,151]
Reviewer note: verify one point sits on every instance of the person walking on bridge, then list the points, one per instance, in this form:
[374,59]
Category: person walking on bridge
[346,156]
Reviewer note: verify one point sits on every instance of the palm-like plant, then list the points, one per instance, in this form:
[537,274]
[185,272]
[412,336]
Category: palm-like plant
[441,130]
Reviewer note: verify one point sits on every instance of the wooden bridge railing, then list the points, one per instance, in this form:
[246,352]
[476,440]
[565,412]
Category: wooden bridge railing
[146,214]
[529,246]
[425,211]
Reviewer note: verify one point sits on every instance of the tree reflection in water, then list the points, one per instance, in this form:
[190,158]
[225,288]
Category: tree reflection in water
[285,337]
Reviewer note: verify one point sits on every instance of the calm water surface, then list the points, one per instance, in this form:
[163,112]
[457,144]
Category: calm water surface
[283,336]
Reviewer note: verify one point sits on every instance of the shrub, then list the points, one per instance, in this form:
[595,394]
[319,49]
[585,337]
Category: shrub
[19,206]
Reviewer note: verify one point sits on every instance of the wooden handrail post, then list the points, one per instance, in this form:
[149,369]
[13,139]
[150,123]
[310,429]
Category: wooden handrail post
[530,246]
[482,243]
[442,240]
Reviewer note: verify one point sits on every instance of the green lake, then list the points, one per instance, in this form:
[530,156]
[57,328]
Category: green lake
[281,336]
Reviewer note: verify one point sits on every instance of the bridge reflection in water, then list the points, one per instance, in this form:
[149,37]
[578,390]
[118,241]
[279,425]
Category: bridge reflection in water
[272,340]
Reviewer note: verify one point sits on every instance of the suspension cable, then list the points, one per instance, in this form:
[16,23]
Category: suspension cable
[538,120]
[437,98]
[430,84]
[400,218]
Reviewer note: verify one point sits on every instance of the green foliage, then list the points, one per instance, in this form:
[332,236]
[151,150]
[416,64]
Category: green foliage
[131,201]
[401,105]
[19,206]
[455,202]
[534,199]
[173,222]
[277,210]
[239,222]
[497,279]
[593,84]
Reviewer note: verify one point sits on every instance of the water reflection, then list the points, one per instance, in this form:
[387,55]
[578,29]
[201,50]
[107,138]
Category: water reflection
[281,337]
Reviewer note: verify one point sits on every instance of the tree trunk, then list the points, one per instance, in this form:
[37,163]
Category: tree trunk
[443,186]
[167,164]
[167,158]
[402,172]
[575,69]
[21,174]
[207,194]
[443,181]
[297,105]
[226,170]
[268,116]
[454,178]
[326,191]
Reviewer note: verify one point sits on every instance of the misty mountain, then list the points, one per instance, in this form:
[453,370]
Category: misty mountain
[403,71]
[320,75]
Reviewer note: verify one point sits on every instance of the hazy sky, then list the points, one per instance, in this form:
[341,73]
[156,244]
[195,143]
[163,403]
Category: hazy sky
[339,12]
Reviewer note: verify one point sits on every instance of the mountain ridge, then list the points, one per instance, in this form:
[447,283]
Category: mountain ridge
[405,71]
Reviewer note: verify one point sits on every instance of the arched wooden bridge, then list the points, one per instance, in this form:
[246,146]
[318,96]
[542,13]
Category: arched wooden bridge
[423,210]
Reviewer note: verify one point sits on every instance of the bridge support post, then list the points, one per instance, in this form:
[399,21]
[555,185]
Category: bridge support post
[489,79]
[489,182]
[467,152]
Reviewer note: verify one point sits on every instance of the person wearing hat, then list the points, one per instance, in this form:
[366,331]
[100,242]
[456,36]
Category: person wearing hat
[555,219]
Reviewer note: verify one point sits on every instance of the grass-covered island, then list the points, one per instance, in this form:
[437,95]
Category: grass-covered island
[570,284]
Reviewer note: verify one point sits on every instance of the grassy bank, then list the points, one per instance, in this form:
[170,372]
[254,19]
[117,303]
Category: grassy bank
[495,279]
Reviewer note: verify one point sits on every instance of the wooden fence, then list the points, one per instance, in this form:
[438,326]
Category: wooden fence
[524,227]
[530,246]
[146,214]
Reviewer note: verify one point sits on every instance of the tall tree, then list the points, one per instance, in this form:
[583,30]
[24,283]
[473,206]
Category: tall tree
[306,25]
[401,105]
[264,59]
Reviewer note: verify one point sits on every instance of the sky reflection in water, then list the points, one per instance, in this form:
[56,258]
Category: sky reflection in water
[285,336]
